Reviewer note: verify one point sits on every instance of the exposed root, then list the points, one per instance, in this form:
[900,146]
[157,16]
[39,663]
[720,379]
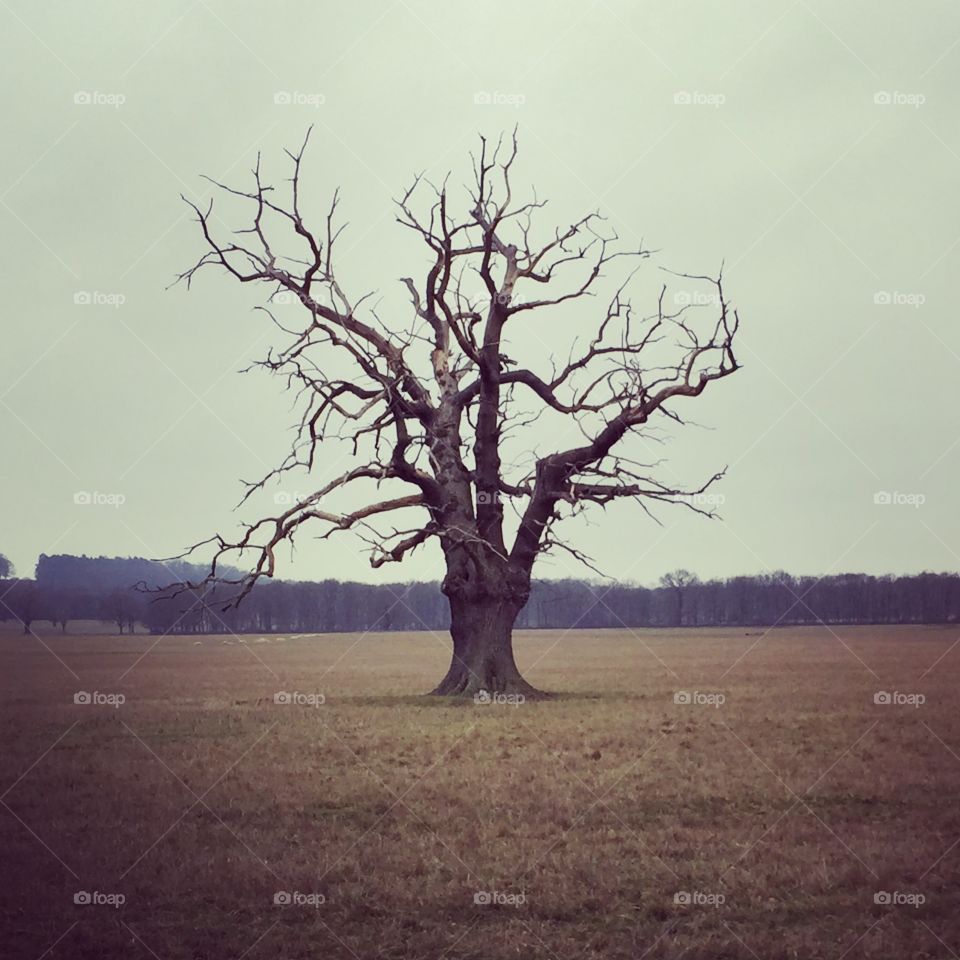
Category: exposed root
[486,685]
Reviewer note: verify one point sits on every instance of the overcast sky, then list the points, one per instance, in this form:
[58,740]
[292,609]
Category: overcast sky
[812,146]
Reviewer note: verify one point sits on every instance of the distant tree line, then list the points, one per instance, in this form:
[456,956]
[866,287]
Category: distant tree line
[128,591]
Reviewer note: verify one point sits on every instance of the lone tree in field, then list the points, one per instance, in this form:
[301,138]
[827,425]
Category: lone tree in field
[438,417]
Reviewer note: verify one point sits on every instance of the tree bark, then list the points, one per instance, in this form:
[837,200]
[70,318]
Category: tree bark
[482,661]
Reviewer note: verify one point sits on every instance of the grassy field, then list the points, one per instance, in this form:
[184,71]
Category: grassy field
[766,817]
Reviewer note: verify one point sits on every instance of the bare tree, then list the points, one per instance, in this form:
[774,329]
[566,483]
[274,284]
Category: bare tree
[432,406]
[678,581]
[22,601]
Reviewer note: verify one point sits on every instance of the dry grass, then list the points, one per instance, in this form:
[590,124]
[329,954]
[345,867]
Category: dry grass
[199,798]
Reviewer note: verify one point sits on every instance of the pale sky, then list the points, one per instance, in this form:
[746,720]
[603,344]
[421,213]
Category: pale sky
[818,156]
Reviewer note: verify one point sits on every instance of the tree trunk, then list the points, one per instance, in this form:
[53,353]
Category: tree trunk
[482,661]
